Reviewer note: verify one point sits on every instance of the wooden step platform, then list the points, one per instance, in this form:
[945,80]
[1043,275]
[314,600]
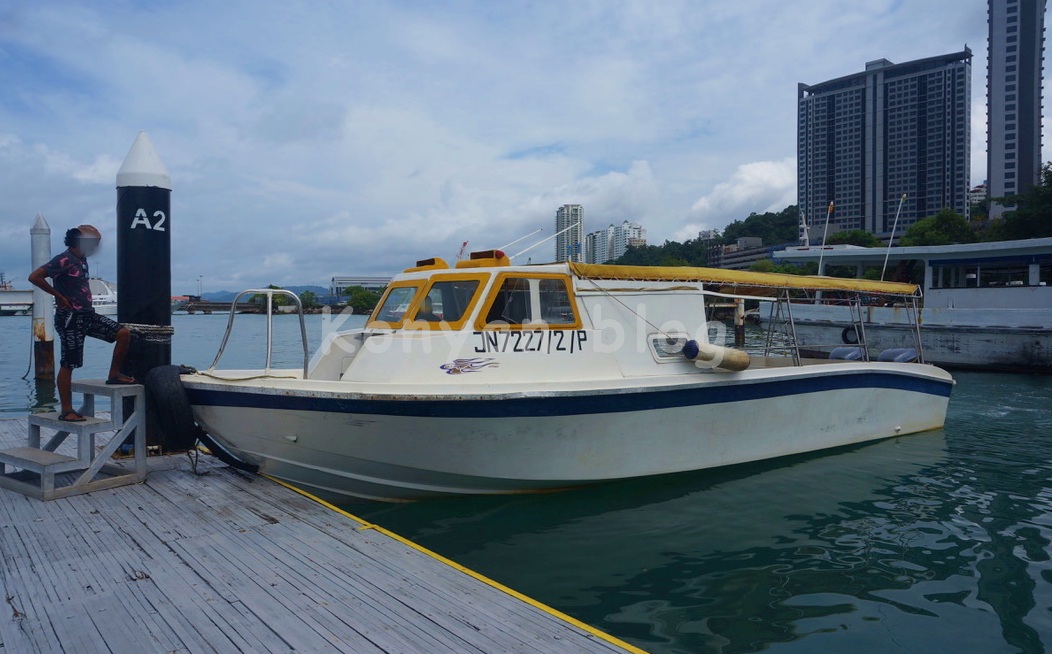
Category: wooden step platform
[37,466]
[229,562]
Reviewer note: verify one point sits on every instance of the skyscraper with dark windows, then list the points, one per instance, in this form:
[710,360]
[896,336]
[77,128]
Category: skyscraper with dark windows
[1013,85]
[866,139]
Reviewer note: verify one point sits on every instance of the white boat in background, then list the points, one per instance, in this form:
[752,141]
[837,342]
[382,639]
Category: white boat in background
[14,302]
[493,378]
[985,306]
[103,296]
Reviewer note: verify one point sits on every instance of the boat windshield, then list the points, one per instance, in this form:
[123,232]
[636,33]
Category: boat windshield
[396,304]
[447,301]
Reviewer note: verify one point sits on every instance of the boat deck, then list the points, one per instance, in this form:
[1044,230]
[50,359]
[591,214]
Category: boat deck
[222,561]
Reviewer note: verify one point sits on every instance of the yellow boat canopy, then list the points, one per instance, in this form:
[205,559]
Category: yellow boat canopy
[740,281]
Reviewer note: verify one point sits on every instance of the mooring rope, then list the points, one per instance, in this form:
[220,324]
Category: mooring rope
[161,334]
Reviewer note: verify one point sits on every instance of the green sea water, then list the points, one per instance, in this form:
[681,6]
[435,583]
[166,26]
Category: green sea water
[936,542]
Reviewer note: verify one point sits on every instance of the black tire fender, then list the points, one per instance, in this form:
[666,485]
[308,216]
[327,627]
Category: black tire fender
[849,336]
[169,406]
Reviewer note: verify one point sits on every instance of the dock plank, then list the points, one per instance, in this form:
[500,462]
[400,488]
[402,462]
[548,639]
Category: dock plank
[229,562]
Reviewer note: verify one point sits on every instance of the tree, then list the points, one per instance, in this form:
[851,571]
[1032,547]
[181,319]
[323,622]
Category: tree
[944,228]
[276,300]
[768,266]
[1032,217]
[773,228]
[360,299]
[858,237]
[309,299]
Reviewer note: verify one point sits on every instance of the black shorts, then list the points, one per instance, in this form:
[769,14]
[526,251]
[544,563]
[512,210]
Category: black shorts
[74,326]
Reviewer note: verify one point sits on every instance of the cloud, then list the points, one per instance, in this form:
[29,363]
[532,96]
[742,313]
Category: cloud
[358,137]
[757,186]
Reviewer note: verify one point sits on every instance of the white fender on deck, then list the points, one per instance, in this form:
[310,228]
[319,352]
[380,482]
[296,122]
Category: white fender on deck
[719,356]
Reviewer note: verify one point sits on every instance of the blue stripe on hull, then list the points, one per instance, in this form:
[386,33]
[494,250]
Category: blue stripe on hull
[580,404]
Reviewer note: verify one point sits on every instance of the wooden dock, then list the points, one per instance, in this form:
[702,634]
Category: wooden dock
[228,562]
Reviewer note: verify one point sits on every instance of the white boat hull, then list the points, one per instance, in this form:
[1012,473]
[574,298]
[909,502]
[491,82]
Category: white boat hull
[346,445]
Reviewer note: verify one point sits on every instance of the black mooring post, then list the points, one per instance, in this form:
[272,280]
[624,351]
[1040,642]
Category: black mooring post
[144,258]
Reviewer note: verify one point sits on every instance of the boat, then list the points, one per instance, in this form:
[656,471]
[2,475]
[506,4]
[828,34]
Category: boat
[103,296]
[986,306]
[537,378]
[14,302]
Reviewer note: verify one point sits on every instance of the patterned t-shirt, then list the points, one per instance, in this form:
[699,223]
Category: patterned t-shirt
[69,274]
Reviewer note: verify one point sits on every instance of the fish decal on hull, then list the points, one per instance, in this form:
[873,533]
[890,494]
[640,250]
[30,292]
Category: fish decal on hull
[461,366]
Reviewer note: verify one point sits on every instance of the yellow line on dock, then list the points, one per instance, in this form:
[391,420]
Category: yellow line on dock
[602,635]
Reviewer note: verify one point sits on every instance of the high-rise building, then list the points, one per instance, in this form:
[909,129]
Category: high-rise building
[612,242]
[1016,48]
[569,225]
[627,234]
[597,246]
[866,139]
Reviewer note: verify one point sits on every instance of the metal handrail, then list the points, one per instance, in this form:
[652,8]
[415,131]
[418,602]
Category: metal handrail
[270,293]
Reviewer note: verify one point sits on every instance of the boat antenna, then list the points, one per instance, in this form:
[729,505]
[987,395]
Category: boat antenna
[543,241]
[892,239]
[825,232]
[521,238]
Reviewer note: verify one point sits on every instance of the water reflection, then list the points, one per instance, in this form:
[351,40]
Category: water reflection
[932,542]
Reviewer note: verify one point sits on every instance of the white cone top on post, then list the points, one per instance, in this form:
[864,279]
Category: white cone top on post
[142,166]
[40,226]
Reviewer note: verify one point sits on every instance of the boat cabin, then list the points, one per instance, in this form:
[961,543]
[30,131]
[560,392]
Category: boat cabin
[562,320]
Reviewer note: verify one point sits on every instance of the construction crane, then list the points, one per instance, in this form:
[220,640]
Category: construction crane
[463,248]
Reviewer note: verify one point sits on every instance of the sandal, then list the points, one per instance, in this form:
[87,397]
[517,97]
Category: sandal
[72,416]
[121,380]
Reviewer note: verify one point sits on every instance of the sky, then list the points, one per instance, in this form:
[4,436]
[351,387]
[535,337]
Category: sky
[312,139]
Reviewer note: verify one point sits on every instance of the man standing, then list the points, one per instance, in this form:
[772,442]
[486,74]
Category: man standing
[75,318]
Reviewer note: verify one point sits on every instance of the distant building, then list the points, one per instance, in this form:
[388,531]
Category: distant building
[708,234]
[627,234]
[597,246]
[977,195]
[339,285]
[569,244]
[743,253]
[1015,53]
[612,243]
[867,138]
[714,255]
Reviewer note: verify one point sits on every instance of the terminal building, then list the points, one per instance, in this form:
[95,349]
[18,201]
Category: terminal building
[339,285]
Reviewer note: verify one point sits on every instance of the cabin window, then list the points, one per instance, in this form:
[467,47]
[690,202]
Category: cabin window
[511,303]
[447,301]
[531,300]
[395,304]
[555,302]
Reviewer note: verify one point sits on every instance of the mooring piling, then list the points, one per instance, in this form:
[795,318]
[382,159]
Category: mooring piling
[739,322]
[144,254]
[43,306]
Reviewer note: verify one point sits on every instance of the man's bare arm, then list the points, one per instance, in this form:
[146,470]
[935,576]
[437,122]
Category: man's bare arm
[38,278]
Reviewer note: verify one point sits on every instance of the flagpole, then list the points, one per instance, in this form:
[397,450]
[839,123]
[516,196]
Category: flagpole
[543,241]
[521,238]
[825,232]
[892,239]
